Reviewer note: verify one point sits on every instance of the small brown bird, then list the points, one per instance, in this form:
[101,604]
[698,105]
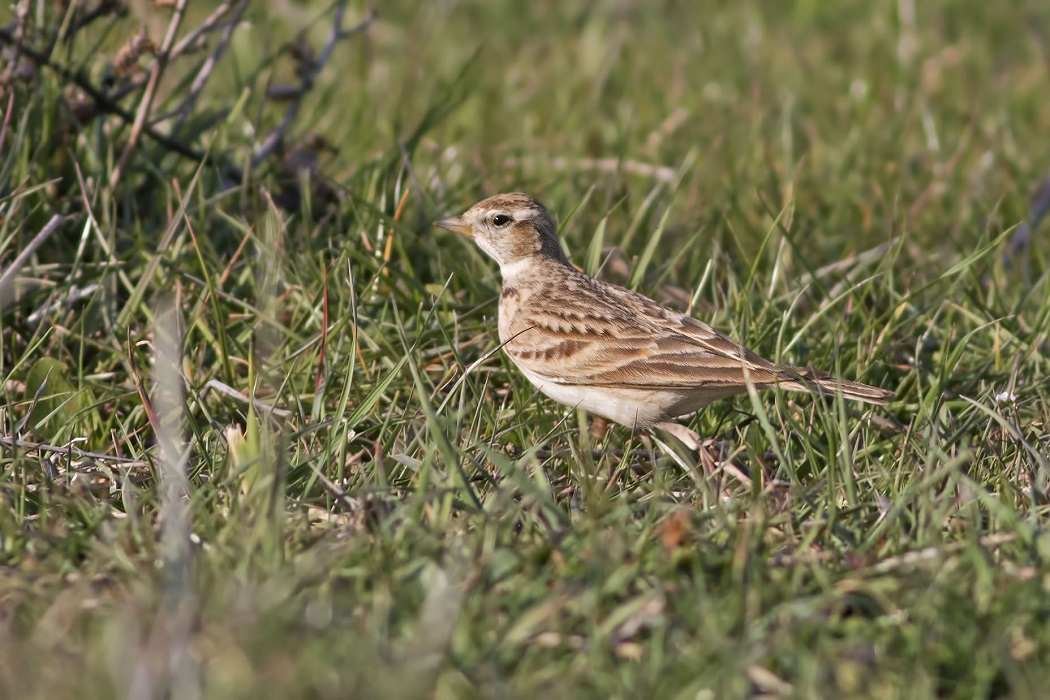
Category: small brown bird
[613,352]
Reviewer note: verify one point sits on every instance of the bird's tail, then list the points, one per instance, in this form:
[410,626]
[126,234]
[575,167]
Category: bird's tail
[817,382]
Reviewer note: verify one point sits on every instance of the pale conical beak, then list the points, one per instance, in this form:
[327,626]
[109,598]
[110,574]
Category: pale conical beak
[456,225]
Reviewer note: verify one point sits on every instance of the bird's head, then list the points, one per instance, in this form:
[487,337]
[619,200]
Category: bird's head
[511,228]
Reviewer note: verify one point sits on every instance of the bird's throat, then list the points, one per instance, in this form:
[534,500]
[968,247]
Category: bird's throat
[515,269]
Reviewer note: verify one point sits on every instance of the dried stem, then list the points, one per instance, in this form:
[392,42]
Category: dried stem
[146,104]
[38,240]
[307,78]
[106,103]
[143,120]
[185,108]
[69,451]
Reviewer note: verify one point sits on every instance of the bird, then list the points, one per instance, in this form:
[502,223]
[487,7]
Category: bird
[611,351]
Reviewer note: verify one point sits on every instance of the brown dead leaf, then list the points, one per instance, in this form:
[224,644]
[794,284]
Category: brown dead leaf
[673,530]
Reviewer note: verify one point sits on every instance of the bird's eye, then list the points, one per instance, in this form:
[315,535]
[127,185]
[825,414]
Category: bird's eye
[501,220]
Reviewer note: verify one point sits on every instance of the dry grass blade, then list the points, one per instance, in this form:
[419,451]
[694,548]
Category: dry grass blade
[168,667]
[8,276]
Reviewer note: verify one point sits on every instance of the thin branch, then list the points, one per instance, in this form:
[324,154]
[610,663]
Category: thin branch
[185,107]
[186,44]
[103,9]
[105,102]
[210,22]
[307,78]
[74,295]
[141,121]
[146,104]
[70,451]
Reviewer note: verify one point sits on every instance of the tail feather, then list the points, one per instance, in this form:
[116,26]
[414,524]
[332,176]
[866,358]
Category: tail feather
[817,382]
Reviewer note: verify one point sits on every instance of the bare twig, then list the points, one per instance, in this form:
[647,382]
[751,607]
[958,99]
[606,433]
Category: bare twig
[103,9]
[105,102]
[226,16]
[73,295]
[185,45]
[849,264]
[146,104]
[69,451]
[12,269]
[307,78]
[185,107]
[210,22]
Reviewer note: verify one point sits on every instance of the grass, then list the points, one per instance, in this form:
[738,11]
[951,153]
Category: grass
[840,184]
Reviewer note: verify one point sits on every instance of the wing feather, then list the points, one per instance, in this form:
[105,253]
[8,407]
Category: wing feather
[589,333]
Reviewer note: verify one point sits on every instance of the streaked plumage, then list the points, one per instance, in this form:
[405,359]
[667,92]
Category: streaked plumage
[613,352]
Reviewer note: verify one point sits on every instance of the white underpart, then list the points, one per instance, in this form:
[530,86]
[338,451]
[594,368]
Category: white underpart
[511,269]
[630,407]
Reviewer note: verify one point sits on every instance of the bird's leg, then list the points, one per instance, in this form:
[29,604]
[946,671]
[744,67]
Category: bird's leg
[598,432]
